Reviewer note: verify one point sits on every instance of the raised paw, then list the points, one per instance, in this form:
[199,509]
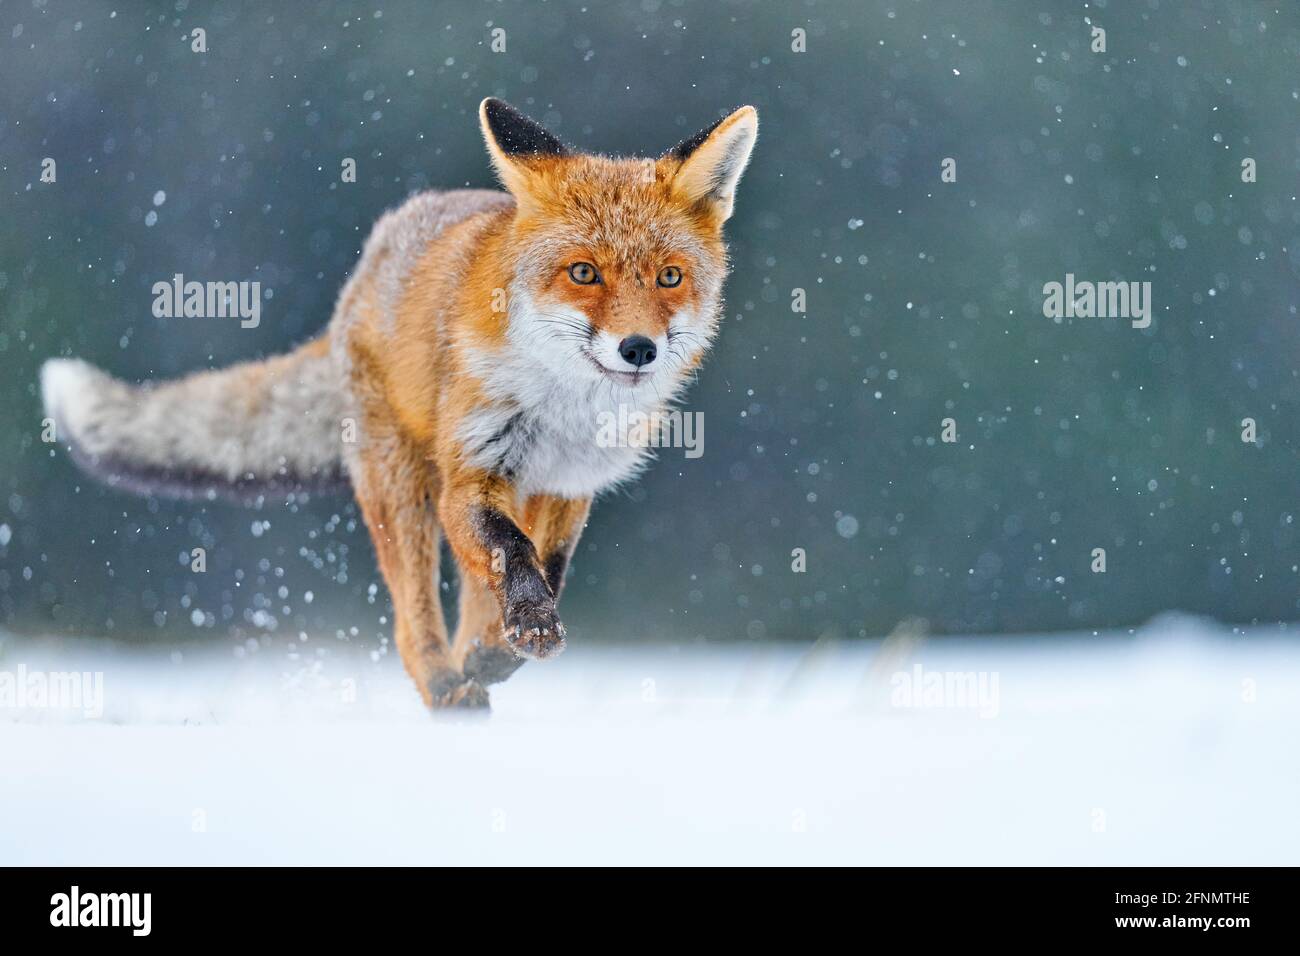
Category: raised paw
[492,664]
[534,630]
[457,692]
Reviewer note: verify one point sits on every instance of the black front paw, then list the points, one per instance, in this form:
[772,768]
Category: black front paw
[534,630]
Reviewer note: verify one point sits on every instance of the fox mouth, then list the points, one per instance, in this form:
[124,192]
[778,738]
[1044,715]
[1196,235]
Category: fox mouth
[625,378]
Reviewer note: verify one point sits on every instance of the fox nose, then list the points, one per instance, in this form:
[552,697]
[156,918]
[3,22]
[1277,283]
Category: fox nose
[637,350]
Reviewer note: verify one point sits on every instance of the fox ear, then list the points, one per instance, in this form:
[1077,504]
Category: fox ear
[713,159]
[512,141]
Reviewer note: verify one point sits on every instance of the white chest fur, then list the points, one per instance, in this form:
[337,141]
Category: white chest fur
[555,440]
[547,422]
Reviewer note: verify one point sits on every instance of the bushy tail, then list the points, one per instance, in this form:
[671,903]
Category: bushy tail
[245,432]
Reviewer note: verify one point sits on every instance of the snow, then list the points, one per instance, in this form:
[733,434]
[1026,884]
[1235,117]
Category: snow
[1174,746]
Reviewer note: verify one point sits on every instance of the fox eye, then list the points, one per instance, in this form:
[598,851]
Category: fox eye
[584,273]
[670,276]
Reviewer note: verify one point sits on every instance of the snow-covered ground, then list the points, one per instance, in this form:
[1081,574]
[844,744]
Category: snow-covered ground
[1180,745]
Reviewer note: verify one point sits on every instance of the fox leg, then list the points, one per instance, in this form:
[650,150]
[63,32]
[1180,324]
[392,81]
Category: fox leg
[481,516]
[397,495]
[553,525]
[480,644]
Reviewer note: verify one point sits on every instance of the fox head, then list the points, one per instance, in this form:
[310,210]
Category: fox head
[617,264]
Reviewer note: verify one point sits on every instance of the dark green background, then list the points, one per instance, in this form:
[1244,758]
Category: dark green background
[820,429]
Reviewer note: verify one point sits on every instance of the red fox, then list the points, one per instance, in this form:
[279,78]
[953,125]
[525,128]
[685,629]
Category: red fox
[458,386]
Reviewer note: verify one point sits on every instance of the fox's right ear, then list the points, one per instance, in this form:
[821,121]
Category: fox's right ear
[514,142]
[712,161]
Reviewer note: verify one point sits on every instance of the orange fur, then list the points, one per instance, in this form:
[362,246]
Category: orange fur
[416,369]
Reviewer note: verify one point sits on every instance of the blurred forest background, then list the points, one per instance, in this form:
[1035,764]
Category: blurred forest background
[822,429]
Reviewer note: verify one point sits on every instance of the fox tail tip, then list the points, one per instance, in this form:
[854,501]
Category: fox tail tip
[68,388]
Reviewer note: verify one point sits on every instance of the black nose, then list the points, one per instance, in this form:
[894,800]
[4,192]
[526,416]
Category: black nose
[637,350]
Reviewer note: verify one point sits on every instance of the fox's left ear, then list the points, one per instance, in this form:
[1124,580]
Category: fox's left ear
[713,159]
[514,142]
